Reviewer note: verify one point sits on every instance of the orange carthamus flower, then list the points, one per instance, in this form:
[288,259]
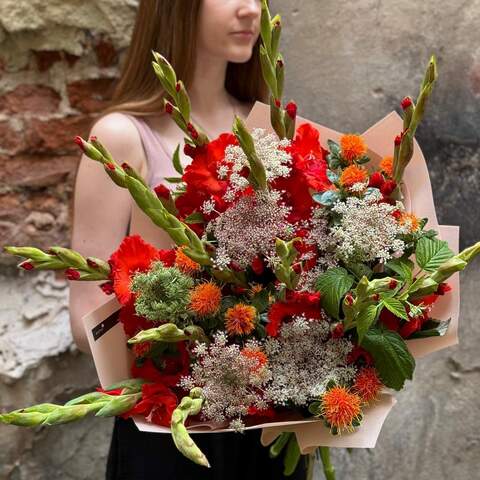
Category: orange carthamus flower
[353,147]
[205,298]
[257,355]
[185,263]
[410,220]
[367,384]
[352,175]
[341,408]
[240,319]
[386,166]
[255,288]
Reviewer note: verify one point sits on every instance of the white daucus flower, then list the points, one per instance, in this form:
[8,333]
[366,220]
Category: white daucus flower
[303,359]
[231,381]
[249,228]
[367,230]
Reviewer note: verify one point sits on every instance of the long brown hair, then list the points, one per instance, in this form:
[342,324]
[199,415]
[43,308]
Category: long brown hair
[170,28]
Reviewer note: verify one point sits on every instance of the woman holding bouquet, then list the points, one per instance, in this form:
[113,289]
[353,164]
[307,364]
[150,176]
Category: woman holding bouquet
[213,46]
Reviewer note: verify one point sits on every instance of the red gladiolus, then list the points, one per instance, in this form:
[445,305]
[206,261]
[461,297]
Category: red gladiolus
[157,404]
[175,366]
[443,288]
[134,255]
[388,187]
[376,180]
[257,265]
[296,303]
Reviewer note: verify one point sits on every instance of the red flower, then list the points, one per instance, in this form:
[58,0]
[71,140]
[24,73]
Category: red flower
[157,404]
[134,255]
[376,180]
[388,187]
[132,323]
[308,171]
[359,353]
[174,366]
[162,191]
[296,303]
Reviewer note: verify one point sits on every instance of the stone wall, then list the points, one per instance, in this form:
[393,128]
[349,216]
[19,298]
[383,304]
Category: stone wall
[348,64]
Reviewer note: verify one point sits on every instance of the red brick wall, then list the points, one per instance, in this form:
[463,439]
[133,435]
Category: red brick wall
[39,117]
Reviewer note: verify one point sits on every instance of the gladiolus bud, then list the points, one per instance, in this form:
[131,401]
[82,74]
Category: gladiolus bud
[398,140]
[192,130]
[375,297]
[338,331]
[349,299]
[278,104]
[291,109]
[168,108]
[280,63]
[189,150]
[72,274]
[27,266]
[393,284]
[162,191]
[110,166]
[406,102]
[107,288]
[178,86]
[91,263]
[93,138]
[79,141]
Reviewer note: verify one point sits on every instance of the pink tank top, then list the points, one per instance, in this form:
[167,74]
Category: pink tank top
[159,158]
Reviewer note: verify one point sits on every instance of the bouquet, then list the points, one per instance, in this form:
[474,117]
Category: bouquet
[302,274]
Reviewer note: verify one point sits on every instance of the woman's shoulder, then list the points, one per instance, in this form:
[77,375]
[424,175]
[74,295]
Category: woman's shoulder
[120,136]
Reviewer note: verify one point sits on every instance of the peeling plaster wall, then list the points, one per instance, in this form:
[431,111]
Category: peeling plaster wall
[348,64]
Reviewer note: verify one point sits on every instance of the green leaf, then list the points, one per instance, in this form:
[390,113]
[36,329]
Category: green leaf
[176,161]
[195,217]
[395,306]
[431,253]
[362,160]
[366,318]
[402,267]
[332,176]
[334,147]
[261,300]
[174,179]
[393,361]
[432,329]
[327,198]
[360,270]
[334,284]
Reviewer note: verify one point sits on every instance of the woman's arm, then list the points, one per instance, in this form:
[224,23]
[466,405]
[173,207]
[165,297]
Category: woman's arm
[101,212]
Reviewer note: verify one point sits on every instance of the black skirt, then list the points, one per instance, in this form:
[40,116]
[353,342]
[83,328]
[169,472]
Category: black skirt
[136,455]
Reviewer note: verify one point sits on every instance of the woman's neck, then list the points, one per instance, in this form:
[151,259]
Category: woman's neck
[207,91]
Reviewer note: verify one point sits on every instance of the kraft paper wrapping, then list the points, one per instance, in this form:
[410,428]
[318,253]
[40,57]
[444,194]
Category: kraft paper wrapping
[113,359]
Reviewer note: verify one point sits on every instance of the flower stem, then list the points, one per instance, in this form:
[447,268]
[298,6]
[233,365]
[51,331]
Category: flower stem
[327,466]
[310,466]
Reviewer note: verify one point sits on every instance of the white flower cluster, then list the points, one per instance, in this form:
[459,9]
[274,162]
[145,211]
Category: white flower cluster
[303,359]
[367,230]
[249,228]
[231,382]
[267,146]
[318,235]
